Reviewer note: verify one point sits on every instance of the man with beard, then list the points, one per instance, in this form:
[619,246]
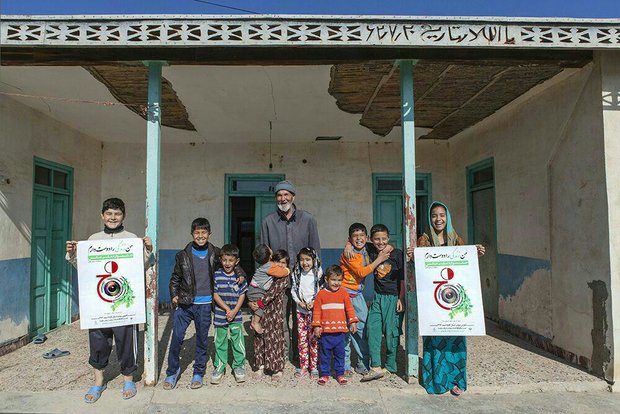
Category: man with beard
[291,229]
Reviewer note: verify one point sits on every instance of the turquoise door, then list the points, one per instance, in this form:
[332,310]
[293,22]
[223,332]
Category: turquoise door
[264,205]
[389,211]
[50,273]
[482,230]
[388,203]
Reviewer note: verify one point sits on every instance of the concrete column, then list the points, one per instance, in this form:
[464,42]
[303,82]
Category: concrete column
[610,93]
[153,155]
[409,219]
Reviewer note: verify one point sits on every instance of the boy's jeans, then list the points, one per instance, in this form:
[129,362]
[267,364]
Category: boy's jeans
[359,338]
[183,315]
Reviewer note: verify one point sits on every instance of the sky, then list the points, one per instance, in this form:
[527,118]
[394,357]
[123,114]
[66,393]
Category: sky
[512,8]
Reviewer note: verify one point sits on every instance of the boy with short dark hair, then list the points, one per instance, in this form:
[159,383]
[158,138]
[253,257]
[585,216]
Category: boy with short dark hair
[125,337]
[228,296]
[191,290]
[356,267]
[332,315]
[385,315]
[262,280]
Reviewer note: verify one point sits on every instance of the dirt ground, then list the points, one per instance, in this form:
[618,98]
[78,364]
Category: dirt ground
[497,359]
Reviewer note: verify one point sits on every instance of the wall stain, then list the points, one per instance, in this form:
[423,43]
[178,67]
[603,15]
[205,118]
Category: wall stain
[601,354]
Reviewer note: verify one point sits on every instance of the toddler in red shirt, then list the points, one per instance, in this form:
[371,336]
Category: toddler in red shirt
[332,313]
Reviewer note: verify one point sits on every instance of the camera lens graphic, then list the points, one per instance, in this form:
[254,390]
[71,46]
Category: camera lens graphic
[449,295]
[111,289]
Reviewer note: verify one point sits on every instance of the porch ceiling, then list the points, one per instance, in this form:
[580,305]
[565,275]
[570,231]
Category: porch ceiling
[449,95]
[238,103]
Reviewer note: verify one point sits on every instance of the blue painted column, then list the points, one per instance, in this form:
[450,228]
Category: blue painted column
[153,154]
[409,221]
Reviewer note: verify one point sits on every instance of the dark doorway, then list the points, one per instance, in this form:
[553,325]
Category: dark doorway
[242,230]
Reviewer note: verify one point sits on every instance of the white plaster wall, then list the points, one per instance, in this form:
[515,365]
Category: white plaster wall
[547,152]
[24,134]
[610,70]
[578,208]
[335,184]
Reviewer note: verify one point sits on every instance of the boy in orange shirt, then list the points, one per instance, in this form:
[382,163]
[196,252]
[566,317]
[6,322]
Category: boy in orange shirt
[356,265]
[331,313]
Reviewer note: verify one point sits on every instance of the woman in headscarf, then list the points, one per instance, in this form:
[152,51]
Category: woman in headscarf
[444,359]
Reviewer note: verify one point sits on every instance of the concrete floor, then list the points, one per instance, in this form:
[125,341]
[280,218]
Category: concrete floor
[505,374]
[497,362]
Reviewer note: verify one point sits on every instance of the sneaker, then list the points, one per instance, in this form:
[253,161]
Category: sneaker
[361,370]
[239,374]
[373,374]
[314,373]
[216,377]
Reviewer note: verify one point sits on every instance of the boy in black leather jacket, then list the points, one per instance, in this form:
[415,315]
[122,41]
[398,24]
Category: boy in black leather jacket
[191,290]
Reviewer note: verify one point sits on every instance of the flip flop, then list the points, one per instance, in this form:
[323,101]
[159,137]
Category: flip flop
[55,353]
[95,392]
[39,339]
[129,387]
[196,381]
[171,380]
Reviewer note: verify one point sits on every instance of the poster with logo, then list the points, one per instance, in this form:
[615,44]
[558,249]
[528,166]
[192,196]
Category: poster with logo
[448,291]
[111,282]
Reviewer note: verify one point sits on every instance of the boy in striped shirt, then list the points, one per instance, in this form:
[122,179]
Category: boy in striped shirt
[228,296]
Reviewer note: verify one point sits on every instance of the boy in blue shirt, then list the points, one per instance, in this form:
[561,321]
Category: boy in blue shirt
[228,296]
[191,290]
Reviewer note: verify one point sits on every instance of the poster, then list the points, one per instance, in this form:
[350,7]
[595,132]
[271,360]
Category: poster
[448,291]
[111,282]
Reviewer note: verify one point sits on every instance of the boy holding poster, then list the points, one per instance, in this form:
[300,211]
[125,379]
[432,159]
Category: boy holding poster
[125,337]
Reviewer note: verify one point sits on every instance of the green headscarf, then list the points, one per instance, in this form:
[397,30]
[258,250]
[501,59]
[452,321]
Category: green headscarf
[450,235]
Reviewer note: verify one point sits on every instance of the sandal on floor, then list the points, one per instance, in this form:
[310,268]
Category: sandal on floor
[301,373]
[95,392]
[456,391]
[170,382]
[342,380]
[129,390]
[55,353]
[323,380]
[39,339]
[196,382]
[276,376]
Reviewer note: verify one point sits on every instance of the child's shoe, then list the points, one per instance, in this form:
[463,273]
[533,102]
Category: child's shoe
[342,380]
[361,370]
[301,372]
[323,380]
[216,377]
[196,382]
[373,374]
[239,374]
